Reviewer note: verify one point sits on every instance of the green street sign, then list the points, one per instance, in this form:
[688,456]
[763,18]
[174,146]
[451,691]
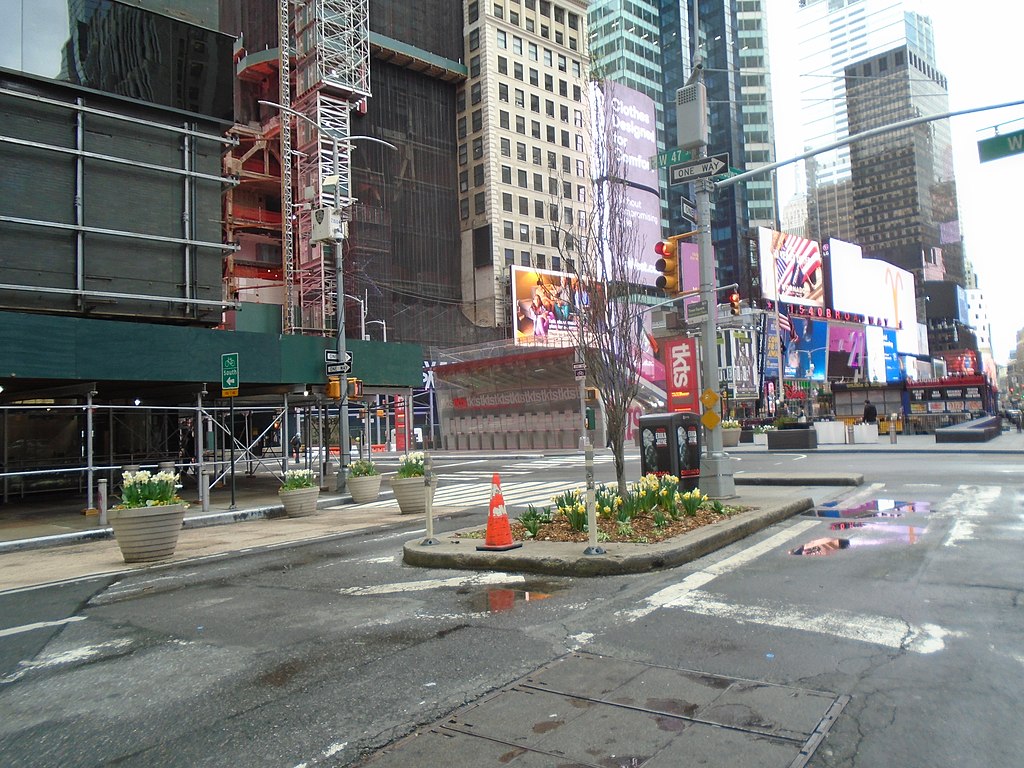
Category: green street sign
[1001,146]
[669,157]
[229,378]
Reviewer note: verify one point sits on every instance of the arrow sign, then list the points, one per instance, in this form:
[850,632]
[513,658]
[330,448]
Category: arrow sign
[698,169]
[688,210]
[331,355]
[229,376]
[338,369]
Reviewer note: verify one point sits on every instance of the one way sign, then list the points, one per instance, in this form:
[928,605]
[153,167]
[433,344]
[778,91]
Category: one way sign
[699,169]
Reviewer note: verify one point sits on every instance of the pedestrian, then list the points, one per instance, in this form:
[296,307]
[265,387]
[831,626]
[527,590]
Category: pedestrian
[870,412]
[296,443]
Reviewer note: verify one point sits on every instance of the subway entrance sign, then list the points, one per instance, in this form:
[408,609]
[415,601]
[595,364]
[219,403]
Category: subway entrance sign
[1001,146]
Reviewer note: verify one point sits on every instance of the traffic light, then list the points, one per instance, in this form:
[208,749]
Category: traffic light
[334,388]
[668,265]
[355,388]
[734,302]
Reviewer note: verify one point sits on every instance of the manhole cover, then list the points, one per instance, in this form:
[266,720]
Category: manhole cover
[589,710]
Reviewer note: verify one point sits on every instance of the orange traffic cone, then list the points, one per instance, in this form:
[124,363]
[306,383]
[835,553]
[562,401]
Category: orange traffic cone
[499,533]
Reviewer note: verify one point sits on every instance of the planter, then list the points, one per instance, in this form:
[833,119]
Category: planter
[300,502]
[410,493]
[792,439]
[730,438]
[364,488]
[760,438]
[145,534]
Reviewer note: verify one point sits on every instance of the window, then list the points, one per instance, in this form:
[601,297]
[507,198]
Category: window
[524,258]
[582,223]
[474,93]
[510,257]
[565,139]
[581,168]
[503,92]
[460,101]
[577,93]
[567,190]
[552,160]
[563,113]
[508,230]
[537,157]
[506,174]
[573,45]
[523,178]
[553,186]
[520,98]
[524,206]
[567,215]
[534,102]
[517,71]
[538,235]
[538,183]
[478,175]
[464,208]
[577,118]
[524,233]
[563,88]
[462,127]
[556,264]
[520,151]
[549,83]
[478,120]
[553,216]
[534,129]
[479,203]
[549,107]
[566,164]
[548,57]
[579,142]
[478,148]
[554,233]
[474,67]
[502,39]
[506,201]
[581,194]
[520,124]
[551,134]
[503,119]
[538,209]
[541,262]
[532,51]
[562,64]
[474,11]
[529,25]
[474,39]
[574,21]
[506,148]
[544,32]
[513,18]
[576,70]
[463,181]
[463,154]
[502,66]
[534,77]
[559,38]
[499,11]
[559,15]
[517,45]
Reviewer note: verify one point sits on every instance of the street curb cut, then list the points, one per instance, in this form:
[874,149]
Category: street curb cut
[567,559]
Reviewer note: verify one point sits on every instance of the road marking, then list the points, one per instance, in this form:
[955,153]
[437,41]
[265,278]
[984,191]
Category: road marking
[970,501]
[678,592]
[877,630]
[82,653]
[419,586]
[39,625]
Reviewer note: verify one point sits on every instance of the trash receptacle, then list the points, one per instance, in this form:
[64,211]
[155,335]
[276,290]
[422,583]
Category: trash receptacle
[670,444]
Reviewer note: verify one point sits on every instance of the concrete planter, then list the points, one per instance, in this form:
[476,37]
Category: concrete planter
[761,438]
[300,502]
[792,439]
[411,495]
[730,438]
[145,534]
[364,489]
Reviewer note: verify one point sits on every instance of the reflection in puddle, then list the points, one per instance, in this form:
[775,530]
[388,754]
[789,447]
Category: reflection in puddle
[821,547]
[873,508]
[498,599]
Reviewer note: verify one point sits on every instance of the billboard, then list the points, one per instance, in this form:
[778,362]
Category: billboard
[627,117]
[847,352]
[545,306]
[806,355]
[791,268]
[682,376]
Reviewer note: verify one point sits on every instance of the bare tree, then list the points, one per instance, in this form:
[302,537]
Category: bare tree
[602,245]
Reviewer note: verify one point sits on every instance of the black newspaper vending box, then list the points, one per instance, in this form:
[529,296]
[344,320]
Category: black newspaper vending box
[670,444]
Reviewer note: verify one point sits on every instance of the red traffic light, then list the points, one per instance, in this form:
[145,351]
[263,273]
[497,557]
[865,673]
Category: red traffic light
[734,302]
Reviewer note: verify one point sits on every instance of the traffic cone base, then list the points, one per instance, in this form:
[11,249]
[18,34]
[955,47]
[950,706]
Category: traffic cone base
[499,533]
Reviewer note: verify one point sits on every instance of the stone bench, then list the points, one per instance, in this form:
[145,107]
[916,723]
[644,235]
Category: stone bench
[974,431]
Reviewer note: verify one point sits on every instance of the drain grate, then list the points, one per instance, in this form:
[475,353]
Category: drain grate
[601,712]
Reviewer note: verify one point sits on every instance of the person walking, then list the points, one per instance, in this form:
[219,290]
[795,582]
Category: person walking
[296,443]
[870,412]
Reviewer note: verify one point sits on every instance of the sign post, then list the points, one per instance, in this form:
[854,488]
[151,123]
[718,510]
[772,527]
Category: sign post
[229,381]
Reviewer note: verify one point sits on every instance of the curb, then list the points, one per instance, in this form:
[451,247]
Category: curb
[567,559]
[804,478]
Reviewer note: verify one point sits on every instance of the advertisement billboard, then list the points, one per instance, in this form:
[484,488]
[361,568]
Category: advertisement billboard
[545,306]
[627,117]
[682,384]
[847,352]
[806,355]
[791,268]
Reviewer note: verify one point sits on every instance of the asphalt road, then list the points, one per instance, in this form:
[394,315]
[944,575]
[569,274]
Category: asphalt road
[317,655]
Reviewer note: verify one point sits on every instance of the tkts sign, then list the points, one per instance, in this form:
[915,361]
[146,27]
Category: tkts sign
[681,379]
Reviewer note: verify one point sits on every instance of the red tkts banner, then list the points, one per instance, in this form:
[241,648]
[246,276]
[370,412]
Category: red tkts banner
[400,423]
[682,381]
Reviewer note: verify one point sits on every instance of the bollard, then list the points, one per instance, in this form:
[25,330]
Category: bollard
[204,488]
[428,477]
[101,500]
[892,429]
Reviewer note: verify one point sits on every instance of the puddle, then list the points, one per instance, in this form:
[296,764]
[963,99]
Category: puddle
[819,547]
[499,599]
[874,534]
[873,508]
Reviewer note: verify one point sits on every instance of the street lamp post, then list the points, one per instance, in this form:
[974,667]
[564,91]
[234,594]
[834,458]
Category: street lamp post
[382,324]
[338,273]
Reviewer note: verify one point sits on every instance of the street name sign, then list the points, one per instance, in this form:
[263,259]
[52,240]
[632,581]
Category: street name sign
[338,369]
[701,168]
[697,309]
[688,210]
[1001,146]
[229,379]
[670,157]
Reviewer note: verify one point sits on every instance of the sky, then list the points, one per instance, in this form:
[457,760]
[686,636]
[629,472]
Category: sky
[981,54]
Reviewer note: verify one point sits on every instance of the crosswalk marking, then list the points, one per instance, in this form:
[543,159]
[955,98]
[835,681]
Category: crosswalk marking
[517,494]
